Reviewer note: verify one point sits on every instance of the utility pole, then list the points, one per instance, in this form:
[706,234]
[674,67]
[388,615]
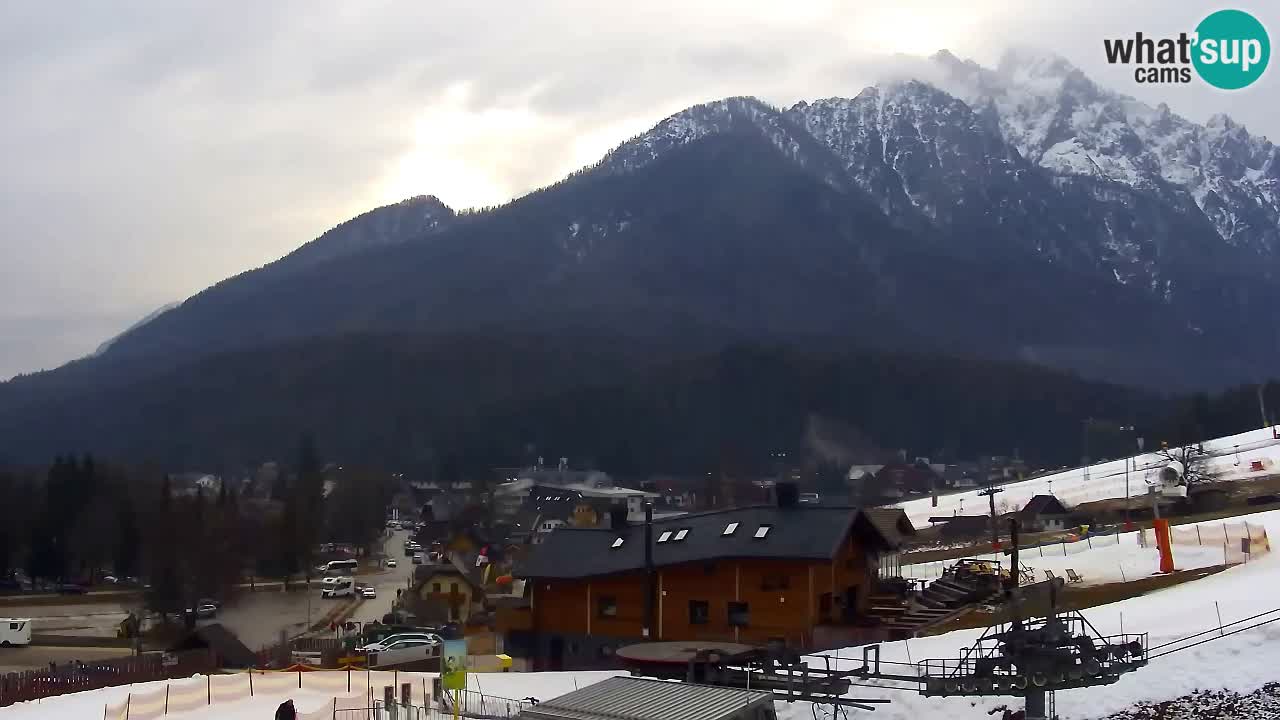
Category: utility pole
[1085,457]
[990,493]
[650,591]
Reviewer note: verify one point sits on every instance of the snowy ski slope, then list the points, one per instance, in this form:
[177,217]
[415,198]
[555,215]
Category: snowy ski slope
[1230,457]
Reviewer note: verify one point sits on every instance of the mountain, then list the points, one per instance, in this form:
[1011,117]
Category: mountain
[405,402]
[1017,215]
[146,319]
[406,221]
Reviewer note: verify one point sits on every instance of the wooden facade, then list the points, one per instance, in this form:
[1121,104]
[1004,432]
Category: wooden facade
[574,622]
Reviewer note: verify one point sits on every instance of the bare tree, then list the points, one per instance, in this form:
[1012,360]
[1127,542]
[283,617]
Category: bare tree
[1192,464]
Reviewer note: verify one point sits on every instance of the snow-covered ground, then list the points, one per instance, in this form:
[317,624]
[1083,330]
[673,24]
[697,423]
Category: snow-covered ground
[1111,559]
[1231,458]
[1242,663]
[317,693]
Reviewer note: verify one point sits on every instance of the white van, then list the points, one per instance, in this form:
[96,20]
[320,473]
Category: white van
[341,587]
[341,566]
[15,631]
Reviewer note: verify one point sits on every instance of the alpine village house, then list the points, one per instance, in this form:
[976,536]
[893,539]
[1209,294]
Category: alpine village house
[791,573]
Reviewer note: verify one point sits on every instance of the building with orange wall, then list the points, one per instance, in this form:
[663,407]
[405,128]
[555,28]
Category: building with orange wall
[785,573]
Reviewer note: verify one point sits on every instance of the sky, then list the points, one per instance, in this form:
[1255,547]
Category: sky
[151,149]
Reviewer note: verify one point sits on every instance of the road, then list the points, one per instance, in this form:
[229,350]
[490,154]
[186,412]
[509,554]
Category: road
[257,618]
[386,583]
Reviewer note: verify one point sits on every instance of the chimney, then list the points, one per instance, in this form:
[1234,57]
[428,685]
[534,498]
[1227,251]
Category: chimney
[788,494]
[618,517]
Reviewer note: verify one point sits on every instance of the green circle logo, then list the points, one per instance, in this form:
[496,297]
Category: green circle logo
[1232,49]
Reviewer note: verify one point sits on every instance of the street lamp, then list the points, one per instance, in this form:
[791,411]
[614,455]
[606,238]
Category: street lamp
[1128,523]
[1085,457]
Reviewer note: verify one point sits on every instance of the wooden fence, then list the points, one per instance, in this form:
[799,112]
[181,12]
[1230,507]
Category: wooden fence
[76,677]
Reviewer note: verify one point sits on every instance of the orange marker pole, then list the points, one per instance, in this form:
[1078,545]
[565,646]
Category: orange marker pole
[1164,545]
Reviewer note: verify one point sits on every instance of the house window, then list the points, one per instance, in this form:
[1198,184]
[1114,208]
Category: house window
[775,582]
[665,536]
[730,529]
[699,612]
[453,588]
[739,614]
[682,534]
[762,531]
[607,607]
[435,587]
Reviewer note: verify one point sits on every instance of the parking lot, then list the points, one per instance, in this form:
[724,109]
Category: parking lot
[97,619]
[256,617]
[36,657]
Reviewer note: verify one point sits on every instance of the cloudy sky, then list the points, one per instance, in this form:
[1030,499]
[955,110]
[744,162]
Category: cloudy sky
[152,148]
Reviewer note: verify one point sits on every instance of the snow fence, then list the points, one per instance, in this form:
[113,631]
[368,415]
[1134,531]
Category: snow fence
[1128,556]
[350,690]
[1240,541]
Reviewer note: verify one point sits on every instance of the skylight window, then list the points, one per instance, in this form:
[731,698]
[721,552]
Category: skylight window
[729,529]
[682,534]
[762,531]
[618,543]
[665,536]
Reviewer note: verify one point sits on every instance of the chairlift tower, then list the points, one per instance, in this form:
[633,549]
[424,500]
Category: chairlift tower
[989,492]
[1030,658]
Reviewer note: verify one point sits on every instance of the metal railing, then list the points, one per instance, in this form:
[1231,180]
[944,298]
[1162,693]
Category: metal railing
[473,705]
[1084,659]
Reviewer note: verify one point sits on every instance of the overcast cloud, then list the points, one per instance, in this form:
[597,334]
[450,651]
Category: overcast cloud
[152,148]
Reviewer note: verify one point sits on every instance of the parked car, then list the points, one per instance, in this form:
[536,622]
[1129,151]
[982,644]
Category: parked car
[369,592]
[393,642]
[72,589]
[206,610]
[391,562]
[217,604]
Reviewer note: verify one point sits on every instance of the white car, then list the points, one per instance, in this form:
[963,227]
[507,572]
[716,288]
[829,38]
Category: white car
[393,641]
[369,592]
[391,563]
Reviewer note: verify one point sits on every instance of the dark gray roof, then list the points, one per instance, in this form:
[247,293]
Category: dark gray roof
[1044,505]
[230,652]
[805,532]
[892,523]
[629,698]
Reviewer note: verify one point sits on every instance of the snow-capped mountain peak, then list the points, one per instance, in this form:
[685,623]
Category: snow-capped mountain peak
[1064,122]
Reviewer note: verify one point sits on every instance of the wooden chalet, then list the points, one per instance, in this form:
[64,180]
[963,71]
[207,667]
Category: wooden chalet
[785,573]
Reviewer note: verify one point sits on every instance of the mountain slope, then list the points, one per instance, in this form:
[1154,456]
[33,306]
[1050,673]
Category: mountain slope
[146,319]
[403,402]
[1024,215]
[402,222]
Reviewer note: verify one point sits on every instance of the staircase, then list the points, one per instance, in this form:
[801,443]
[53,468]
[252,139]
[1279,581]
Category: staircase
[952,595]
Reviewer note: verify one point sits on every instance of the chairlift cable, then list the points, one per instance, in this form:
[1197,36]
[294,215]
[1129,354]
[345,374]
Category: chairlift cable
[1211,639]
[1210,630]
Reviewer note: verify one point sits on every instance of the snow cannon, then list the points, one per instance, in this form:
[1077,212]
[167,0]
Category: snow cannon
[1171,480]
